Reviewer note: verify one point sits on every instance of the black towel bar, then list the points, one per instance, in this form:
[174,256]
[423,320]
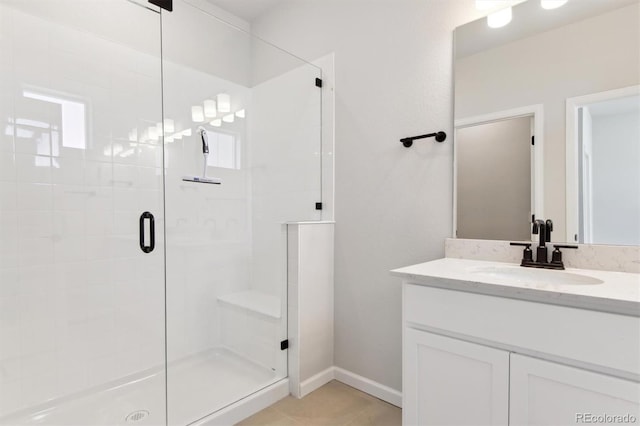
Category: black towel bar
[440,137]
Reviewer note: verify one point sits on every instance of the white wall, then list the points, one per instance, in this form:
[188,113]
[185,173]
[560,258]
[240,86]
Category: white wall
[616,178]
[393,205]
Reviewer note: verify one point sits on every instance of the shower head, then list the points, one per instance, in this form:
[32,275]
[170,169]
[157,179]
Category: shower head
[205,139]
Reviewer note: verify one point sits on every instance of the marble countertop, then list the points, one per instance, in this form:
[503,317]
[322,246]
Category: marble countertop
[615,292]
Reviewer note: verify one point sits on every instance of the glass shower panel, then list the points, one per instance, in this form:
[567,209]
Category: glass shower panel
[258,109]
[81,305]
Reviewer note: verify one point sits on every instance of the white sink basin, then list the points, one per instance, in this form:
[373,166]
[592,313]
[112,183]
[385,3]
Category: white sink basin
[522,275]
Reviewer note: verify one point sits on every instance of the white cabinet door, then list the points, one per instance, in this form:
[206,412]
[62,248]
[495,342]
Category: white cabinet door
[451,382]
[547,393]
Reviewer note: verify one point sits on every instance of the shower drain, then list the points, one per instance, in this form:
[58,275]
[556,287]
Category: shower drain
[136,416]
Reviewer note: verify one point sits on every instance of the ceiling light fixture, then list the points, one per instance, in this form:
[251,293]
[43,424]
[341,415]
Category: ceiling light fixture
[210,110]
[224,102]
[500,18]
[169,126]
[228,118]
[153,133]
[216,123]
[241,113]
[197,114]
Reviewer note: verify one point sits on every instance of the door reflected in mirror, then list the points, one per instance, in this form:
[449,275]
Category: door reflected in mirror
[494,202]
[603,155]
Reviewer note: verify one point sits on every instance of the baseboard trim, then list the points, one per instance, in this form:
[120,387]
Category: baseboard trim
[354,380]
[248,406]
[369,386]
[314,382]
[271,394]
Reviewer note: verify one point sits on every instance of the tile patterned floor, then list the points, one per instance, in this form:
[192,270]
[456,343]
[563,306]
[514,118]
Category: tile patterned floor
[334,404]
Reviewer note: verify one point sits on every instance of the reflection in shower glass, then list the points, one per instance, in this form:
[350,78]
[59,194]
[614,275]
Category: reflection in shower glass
[73,121]
[225,150]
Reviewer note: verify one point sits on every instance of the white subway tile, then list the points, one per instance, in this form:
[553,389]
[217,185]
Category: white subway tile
[33,168]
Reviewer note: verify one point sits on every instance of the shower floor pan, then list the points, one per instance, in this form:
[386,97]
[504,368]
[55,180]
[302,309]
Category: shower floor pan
[197,386]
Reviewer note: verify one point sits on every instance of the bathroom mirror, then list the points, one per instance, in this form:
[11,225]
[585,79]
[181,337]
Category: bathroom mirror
[571,76]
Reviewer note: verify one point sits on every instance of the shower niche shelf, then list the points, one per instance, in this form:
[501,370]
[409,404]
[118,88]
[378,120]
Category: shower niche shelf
[254,301]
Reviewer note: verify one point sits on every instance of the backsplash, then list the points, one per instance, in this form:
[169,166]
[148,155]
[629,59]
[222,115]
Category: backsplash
[588,256]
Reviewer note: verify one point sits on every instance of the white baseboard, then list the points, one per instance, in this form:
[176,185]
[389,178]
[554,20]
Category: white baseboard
[314,382]
[248,406]
[354,380]
[260,400]
[363,384]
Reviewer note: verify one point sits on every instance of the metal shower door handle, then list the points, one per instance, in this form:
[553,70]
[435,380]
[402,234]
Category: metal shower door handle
[152,232]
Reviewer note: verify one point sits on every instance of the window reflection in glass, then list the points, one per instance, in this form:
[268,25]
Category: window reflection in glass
[70,131]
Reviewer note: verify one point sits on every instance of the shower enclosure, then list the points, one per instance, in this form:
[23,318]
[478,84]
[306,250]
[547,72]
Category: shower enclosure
[127,293]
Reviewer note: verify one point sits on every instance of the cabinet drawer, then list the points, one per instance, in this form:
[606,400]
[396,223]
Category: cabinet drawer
[592,339]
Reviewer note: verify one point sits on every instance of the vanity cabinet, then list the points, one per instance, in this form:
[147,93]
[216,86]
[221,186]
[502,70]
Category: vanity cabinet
[477,359]
[549,393]
[444,375]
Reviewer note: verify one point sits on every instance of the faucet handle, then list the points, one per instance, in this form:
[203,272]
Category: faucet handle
[527,253]
[549,228]
[559,246]
[556,256]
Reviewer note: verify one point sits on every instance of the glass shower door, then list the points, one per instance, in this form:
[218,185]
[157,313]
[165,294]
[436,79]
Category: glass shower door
[81,159]
[258,109]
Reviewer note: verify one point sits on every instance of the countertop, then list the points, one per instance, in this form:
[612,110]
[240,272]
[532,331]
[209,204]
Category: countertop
[618,293]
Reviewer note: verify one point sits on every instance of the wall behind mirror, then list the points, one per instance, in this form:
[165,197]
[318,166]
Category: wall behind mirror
[549,61]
